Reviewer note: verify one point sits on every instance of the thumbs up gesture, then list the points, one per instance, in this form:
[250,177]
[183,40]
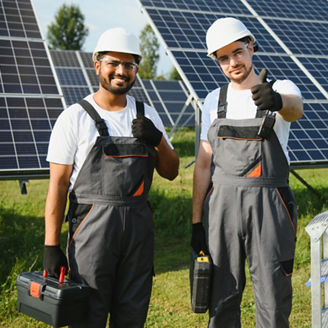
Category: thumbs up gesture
[263,95]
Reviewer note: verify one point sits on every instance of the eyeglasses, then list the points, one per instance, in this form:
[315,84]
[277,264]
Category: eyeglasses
[129,66]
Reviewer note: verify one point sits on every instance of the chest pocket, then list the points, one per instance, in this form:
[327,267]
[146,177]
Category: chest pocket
[238,150]
[129,164]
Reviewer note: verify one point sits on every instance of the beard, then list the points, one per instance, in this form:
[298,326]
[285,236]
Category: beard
[106,84]
[243,77]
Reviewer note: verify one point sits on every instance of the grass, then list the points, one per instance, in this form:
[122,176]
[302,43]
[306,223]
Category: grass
[22,233]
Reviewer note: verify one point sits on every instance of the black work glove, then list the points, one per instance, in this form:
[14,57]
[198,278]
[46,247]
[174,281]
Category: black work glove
[263,95]
[53,259]
[198,242]
[144,129]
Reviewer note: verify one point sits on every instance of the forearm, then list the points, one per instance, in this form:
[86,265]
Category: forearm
[201,182]
[54,214]
[167,164]
[56,201]
[292,109]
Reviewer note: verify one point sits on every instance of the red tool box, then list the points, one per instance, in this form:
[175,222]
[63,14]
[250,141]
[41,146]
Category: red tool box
[55,302]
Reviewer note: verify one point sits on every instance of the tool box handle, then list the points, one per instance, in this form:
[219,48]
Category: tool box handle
[61,275]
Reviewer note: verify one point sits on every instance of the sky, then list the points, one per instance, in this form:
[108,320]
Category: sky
[100,15]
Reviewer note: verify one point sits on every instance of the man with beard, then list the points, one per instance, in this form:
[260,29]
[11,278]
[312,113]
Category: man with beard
[240,188]
[103,151]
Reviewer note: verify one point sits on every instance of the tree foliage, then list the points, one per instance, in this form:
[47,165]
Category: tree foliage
[68,32]
[174,74]
[149,47]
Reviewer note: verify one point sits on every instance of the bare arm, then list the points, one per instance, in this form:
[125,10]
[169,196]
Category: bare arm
[292,108]
[167,164]
[201,180]
[56,201]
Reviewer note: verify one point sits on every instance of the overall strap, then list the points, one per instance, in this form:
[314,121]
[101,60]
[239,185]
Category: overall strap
[222,105]
[100,123]
[140,109]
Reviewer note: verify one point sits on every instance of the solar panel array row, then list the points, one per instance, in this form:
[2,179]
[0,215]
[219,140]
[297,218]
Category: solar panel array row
[293,40]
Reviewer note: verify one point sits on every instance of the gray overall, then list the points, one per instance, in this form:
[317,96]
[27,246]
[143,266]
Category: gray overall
[251,216]
[111,232]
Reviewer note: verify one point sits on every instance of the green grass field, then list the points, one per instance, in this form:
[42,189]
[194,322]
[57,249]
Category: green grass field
[22,233]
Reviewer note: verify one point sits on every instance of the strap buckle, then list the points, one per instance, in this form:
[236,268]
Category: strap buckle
[266,126]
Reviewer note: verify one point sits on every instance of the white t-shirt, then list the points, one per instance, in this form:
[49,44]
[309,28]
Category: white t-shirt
[240,105]
[75,133]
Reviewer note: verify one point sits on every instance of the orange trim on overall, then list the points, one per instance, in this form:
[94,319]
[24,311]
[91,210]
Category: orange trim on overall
[256,172]
[126,155]
[209,192]
[290,219]
[140,190]
[77,229]
[35,289]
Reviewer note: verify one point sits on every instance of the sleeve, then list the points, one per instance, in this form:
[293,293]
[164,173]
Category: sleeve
[63,138]
[209,111]
[287,87]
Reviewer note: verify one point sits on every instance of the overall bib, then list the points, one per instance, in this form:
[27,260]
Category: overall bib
[251,213]
[111,233]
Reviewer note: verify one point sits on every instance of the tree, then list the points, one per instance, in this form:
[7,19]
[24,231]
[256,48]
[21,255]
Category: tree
[68,32]
[149,47]
[174,74]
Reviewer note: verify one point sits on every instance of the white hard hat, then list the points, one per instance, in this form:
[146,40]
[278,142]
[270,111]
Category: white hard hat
[224,31]
[118,40]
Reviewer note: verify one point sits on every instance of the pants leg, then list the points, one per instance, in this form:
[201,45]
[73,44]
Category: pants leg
[112,252]
[226,250]
[135,271]
[270,246]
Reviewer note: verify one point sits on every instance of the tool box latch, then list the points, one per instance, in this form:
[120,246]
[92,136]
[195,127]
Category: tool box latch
[36,289]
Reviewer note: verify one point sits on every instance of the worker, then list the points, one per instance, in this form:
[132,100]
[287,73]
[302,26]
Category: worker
[103,151]
[243,208]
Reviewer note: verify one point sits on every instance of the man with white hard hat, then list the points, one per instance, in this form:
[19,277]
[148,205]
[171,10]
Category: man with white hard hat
[103,151]
[243,208]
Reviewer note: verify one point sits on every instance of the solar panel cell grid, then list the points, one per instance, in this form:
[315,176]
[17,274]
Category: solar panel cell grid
[74,94]
[86,59]
[62,58]
[302,9]
[25,129]
[72,77]
[18,20]
[305,38]
[225,6]
[27,57]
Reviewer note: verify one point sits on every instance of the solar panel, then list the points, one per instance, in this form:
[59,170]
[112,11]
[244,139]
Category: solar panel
[293,44]
[169,98]
[30,98]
